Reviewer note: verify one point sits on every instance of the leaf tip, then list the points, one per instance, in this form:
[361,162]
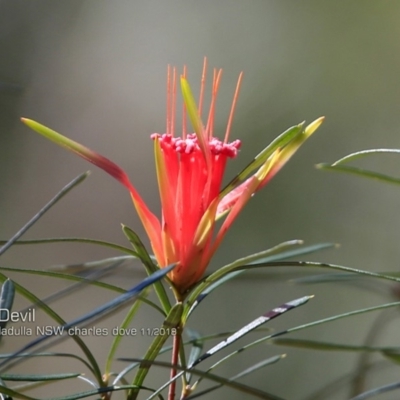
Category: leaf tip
[299,126]
[183,80]
[322,165]
[27,121]
[311,128]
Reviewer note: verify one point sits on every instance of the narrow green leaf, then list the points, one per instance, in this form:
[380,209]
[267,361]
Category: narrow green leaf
[13,394]
[196,349]
[165,349]
[282,140]
[259,365]
[140,249]
[93,278]
[75,396]
[49,311]
[309,264]
[248,390]
[98,312]
[47,354]
[122,299]
[195,119]
[223,274]
[41,212]
[172,321]
[361,172]
[276,312]
[2,383]
[327,320]
[75,240]
[326,278]
[295,252]
[36,378]
[6,301]
[306,326]
[57,137]
[223,271]
[325,346]
[363,153]
[191,107]
[149,266]
[80,280]
[89,265]
[247,371]
[95,158]
[378,390]
[117,338]
[392,354]
[67,277]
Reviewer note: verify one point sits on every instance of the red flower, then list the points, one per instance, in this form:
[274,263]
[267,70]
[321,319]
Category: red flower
[190,170]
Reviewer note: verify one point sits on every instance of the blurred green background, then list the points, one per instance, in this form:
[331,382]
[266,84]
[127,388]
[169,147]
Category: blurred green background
[96,71]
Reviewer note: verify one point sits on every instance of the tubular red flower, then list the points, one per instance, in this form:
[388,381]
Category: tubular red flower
[190,171]
[187,189]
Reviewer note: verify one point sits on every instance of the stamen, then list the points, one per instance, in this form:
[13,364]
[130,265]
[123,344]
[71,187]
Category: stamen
[202,85]
[173,108]
[168,128]
[235,97]
[184,129]
[211,115]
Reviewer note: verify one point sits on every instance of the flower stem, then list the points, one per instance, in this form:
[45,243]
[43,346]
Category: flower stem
[174,361]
